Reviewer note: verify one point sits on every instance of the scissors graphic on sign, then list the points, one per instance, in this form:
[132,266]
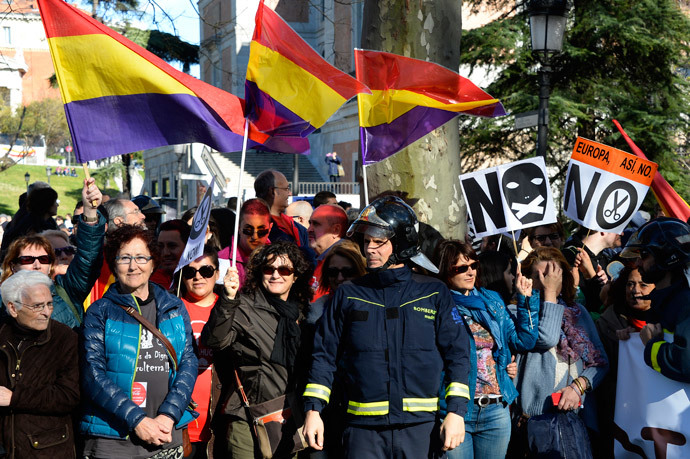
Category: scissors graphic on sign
[616,205]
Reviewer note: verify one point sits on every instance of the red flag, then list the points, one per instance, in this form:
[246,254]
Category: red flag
[671,203]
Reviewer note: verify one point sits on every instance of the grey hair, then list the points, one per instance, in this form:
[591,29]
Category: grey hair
[19,283]
[263,184]
[54,233]
[37,185]
[115,208]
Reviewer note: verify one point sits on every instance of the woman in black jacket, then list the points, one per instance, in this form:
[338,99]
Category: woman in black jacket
[258,334]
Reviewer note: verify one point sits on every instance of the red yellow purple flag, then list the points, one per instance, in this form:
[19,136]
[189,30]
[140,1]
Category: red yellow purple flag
[671,203]
[410,98]
[290,89]
[121,98]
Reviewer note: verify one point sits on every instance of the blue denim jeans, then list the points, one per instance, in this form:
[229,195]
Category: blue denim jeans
[487,433]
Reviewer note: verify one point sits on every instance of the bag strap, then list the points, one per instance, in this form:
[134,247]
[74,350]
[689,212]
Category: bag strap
[149,326]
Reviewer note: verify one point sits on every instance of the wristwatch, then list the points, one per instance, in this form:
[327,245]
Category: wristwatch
[89,220]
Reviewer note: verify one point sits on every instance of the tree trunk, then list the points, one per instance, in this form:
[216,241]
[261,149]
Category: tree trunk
[428,169]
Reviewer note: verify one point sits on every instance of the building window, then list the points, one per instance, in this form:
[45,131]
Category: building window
[154,188]
[6,35]
[166,187]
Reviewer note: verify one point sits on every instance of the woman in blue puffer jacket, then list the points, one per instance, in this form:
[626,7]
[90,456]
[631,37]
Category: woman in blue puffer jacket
[135,391]
[494,334]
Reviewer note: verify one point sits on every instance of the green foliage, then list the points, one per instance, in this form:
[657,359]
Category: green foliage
[43,118]
[164,45]
[107,173]
[12,184]
[622,59]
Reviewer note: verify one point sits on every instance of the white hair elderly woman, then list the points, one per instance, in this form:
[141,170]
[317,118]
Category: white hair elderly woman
[39,372]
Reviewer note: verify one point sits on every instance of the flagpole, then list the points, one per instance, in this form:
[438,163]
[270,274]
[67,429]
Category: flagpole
[364,183]
[239,194]
[88,177]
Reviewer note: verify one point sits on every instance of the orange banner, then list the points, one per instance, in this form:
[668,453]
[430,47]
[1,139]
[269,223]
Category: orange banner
[616,161]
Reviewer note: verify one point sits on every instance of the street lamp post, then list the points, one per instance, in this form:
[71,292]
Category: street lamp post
[27,177]
[547,26]
[48,171]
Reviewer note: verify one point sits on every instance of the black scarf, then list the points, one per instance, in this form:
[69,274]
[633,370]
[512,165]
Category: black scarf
[288,332]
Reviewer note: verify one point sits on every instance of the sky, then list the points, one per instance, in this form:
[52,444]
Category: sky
[186,23]
[182,19]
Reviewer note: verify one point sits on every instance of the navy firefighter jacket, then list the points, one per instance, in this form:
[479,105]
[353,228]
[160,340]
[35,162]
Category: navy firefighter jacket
[395,332]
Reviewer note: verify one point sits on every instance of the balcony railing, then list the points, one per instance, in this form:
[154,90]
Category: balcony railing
[310,188]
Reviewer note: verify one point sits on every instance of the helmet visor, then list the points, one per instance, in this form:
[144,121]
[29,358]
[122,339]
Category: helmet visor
[369,222]
[633,248]
[370,229]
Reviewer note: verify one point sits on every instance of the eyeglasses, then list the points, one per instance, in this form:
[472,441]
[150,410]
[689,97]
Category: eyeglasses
[346,272]
[286,188]
[127,259]
[67,250]
[248,231]
[206,272]
[38,306]
[282,270]
[542,237]
[463,269]
[29,260]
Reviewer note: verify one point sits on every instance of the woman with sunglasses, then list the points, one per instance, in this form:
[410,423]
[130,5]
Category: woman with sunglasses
[197,293]
[64,251]
[138,367]
[255,225]
[494,335]
[257,333]
[343,263]
[71,288]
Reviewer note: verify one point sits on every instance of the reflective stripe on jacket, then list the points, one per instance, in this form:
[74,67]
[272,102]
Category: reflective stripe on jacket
[396,332]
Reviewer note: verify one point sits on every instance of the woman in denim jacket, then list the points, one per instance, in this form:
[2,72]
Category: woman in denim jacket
[494,334]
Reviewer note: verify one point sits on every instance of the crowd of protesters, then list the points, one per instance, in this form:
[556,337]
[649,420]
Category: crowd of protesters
[383,351]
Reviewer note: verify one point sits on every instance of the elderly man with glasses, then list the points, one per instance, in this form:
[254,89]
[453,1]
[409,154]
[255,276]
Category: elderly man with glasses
[39,372]
[273,187]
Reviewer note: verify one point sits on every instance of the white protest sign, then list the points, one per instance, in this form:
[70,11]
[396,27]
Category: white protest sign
[605,186]
[197,237]
[652,411]
[509,197]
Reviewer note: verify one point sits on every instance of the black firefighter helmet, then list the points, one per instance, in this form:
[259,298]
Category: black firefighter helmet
[667,239]
[390,218]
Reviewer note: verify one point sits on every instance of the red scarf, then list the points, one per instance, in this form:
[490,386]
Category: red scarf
[288,226]
[638,324]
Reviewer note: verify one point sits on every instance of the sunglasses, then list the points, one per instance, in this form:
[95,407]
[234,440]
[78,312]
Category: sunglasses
[29,260]
[259,232]
[67,250]
[206,272]
[552,236]
[463,269]
[346,272]
[282,270]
